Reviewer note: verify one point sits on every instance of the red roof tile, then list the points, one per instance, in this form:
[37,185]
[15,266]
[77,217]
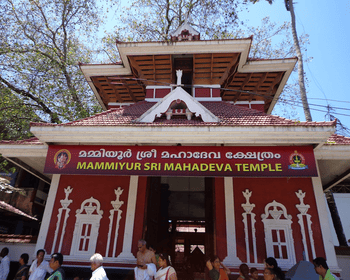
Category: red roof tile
[229,114]
[18,238]
[336,139]
[30,141]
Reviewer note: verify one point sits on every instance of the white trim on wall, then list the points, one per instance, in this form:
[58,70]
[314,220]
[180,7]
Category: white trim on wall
[44,229]
[324,223]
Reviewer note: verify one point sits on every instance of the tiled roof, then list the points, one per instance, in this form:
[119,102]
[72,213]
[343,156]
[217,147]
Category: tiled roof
[18,238]
[336,139]
[9,208]
[30,141]
[229,114]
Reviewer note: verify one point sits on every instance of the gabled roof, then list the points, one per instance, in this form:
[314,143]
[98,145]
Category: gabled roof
[177,95]
[185,26]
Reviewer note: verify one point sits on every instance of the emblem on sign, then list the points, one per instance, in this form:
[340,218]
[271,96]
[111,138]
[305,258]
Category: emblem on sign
[62,158]
[297,161]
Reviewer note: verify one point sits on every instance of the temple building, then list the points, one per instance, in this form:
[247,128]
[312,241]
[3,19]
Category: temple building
[187,156]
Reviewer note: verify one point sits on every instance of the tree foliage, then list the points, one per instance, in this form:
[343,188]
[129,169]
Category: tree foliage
[155,20]
[273,41]
[301,75]
[41,44]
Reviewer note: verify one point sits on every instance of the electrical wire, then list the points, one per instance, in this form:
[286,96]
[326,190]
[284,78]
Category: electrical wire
[292,103]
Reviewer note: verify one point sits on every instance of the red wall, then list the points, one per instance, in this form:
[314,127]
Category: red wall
[264,191]
[102,189]
[220,221]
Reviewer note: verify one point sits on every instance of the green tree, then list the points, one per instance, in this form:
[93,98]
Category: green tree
[154,20]
[41,44]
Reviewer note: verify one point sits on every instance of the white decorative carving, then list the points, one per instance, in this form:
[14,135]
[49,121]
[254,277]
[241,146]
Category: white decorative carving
[178,93]
[116,209]
[278,234]
[64,203]
[86,228]
[248,208]
[179,76]
[303,208]
[174,111]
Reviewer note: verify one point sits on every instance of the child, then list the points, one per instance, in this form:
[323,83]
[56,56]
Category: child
[254,275]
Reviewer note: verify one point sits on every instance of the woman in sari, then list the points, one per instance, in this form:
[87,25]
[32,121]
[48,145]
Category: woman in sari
[217,270]
[22,273]
[165,272]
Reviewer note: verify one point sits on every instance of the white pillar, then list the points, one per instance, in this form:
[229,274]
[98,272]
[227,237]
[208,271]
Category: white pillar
[324,222]
[231,259]
[126,256]
[44,228]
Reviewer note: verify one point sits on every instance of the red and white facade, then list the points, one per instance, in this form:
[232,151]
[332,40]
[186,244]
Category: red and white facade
[258,173]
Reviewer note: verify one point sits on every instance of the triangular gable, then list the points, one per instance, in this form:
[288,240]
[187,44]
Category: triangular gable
[177,94]
[185,27]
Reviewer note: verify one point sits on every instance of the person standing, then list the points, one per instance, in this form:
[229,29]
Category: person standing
[322,269]
[272,263]
[39,267]
[165,272]
[243,272]
[217,270]
[22,273]
[270,274]
[254,274]
[55,264]
[146,262]
[5,263]
[98,272]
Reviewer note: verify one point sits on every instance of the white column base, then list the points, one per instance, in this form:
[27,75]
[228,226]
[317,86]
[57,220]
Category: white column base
[125,257]
[231,260]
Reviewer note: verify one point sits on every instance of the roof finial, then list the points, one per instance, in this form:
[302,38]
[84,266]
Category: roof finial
[179,76]
[186,17]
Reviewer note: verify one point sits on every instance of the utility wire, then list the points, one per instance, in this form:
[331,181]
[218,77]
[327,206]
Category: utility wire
[293,103]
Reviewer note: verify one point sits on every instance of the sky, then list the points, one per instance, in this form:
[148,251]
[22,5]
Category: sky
[327,23]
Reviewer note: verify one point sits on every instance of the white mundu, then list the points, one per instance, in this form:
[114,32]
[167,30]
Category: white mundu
[145,274]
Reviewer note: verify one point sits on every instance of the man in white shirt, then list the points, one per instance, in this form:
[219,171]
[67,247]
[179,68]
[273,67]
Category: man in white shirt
[98,272]
[39,267]
[5,263]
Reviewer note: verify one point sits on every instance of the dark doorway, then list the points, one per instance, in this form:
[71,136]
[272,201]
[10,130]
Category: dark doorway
[184,63]
[180,221]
